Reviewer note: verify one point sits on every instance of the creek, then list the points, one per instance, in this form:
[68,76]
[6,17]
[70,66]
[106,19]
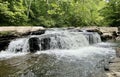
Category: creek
[57,53]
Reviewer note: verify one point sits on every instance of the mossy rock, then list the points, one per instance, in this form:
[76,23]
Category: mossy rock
[9,33]
[6,37]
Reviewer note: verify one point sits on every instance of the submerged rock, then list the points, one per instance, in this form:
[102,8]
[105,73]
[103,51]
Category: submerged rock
[45,43]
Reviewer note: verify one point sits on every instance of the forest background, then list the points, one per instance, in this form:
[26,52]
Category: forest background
[60,13]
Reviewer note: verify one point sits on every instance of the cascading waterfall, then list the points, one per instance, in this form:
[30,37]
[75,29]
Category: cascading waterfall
[69,53]
[63,40]
[92,37]
[55,40]
[18,45]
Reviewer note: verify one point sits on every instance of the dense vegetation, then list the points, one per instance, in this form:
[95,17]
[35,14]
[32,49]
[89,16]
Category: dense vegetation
[60,13]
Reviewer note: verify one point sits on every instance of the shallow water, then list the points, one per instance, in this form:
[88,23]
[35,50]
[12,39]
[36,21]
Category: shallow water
[70,54]
[80,62]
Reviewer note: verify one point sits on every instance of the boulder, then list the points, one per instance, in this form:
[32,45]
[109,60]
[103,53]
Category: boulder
[118,33]
[105,37]
[118,38]
[34,44]
[114,35]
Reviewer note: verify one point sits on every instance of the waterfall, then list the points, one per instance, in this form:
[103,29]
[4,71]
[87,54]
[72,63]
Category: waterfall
[82,62]
[55,40]
[92,37]
[65,53]
[18,45]
[63,40]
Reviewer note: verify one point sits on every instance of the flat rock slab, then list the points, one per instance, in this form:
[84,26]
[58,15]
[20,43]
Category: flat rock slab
[20,29]
[114,68]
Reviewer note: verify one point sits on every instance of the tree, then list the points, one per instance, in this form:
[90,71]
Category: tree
[59,13]
[50,13]
[111,13]
[12,12]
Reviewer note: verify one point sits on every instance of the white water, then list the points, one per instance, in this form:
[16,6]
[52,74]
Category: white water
[67,40]
[18,45]
[83,62]
[78,58]
[92,37]
[6,55]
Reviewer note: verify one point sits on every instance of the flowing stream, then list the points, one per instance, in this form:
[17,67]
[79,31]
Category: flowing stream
[57,53]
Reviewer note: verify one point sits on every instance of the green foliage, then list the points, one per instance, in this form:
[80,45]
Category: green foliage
[111,13]
[8,33]
[60,13]
[12,12]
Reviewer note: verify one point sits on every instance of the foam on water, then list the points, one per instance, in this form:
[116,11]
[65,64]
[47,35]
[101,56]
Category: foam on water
[74,58]
[67,40]
[82,52]
[18,45]
[106,44]
[92,37]
[7,55]
[86,61]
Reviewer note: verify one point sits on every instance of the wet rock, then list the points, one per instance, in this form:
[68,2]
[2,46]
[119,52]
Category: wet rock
[45,43]
[118,52]
[95,30]
[118,33]
[5,38]
[114,68]
[105,37]
[114,35]
[118,38]
[3,44]
[34,44]
[38,32]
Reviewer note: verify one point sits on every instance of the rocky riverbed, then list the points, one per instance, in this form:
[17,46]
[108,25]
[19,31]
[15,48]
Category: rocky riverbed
[88,61]
[9,33]
[114,68]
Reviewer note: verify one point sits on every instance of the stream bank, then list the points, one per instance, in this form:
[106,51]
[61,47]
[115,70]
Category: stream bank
[9,33]
[114,67]
[78,52]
